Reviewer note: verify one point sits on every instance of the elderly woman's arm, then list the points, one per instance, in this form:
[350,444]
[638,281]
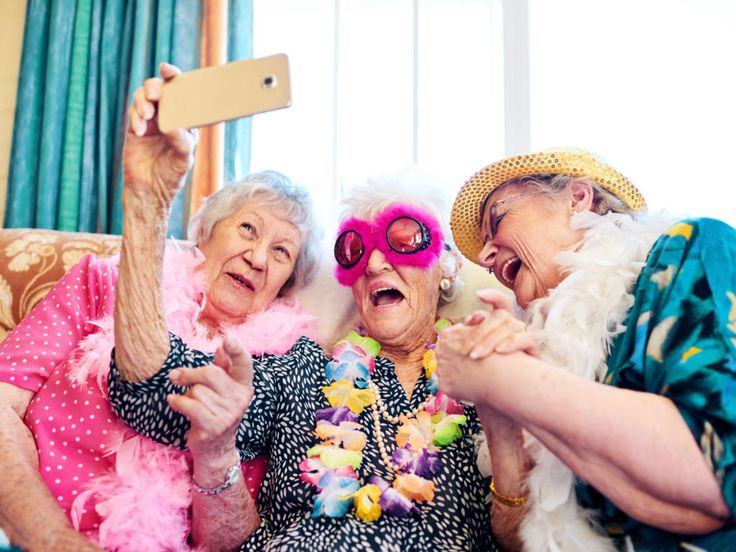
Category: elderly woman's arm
[221,521]
[26,504]
[634,447]
[201,406]
[154,167]
[510,467]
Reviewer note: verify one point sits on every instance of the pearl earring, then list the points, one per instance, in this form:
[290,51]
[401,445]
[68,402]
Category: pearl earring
[445,284]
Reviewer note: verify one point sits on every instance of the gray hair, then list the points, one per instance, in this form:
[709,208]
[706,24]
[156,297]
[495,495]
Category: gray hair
[274,190]
[410,186]
[556,185]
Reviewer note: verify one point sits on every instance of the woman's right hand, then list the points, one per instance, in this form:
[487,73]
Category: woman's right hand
[155,163]
[217,398]
[496,331]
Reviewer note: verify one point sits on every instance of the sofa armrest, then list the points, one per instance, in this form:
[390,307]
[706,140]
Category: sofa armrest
[33,260]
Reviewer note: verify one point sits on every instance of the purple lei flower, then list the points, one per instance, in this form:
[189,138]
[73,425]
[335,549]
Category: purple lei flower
[424,464]
[335,415]
[392,501]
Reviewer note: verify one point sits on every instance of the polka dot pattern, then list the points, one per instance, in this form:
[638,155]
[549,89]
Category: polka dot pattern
[280,422]
[69,423]
[73,425]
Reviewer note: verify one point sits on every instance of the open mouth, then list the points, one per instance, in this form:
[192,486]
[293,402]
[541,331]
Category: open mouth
[242,281]
[507,274]
[386,296]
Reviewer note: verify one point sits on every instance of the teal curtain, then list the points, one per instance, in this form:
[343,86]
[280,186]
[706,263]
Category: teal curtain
[238,132]
[81,62]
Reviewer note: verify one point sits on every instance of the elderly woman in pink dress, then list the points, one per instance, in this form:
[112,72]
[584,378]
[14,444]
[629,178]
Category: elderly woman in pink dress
[74,477]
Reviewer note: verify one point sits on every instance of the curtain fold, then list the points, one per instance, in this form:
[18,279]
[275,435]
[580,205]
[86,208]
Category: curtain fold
[207,176]
[73,144]
[238,132]
[81,62]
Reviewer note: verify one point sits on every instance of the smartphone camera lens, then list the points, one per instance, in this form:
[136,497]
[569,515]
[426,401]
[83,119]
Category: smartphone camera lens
[269,81]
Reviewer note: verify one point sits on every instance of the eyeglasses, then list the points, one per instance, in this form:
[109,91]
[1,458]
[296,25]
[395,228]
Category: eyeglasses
[405,235]
[494,219]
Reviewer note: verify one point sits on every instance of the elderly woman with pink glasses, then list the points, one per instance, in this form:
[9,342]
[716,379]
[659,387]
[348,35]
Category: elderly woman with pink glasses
[364,452]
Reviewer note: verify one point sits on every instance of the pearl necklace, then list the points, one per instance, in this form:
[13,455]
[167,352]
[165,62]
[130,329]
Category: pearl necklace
[331,465]
[377,407]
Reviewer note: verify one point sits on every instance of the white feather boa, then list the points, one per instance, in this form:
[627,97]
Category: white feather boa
[576,323]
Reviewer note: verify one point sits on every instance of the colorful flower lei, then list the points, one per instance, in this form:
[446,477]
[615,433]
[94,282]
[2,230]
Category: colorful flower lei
[331,465]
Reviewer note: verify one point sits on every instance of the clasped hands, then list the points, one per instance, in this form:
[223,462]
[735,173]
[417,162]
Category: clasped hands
[469,351]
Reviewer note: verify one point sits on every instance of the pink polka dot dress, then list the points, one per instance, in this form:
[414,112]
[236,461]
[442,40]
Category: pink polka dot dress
[61,352]
[70,424]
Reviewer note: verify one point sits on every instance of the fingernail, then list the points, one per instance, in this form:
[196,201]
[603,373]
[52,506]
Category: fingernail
[476,353]
[174,375]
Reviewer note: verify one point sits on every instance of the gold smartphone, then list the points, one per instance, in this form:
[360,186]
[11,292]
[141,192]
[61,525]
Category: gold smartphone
[224,92]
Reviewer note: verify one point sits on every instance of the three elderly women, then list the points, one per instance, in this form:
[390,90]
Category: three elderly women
[618,400]
[624,383]
[74,476]
[364,452]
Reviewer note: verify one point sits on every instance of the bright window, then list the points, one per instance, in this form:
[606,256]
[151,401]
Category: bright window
[379,84]
[650,85]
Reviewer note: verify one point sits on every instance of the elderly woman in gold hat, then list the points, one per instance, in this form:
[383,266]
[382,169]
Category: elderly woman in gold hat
[624,383]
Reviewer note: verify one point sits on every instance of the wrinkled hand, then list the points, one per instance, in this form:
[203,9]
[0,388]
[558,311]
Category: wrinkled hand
[459,376]
[218,396]
[155,163]
[467,352]
[497,331]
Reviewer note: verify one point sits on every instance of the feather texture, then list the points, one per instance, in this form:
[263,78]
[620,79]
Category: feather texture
[575,324]
[144,504]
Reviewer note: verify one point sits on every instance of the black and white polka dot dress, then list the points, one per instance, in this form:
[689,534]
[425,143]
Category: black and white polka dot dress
[280,423]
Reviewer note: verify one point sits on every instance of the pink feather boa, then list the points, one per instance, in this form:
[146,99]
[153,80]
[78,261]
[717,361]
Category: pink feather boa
[144,504]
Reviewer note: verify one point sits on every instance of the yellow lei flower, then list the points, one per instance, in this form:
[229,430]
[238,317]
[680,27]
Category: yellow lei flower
[342,393]
[366,502]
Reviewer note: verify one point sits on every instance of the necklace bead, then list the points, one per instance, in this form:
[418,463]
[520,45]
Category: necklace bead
[376,407]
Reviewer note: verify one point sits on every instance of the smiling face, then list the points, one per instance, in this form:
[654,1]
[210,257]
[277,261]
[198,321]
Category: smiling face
[532,229]
[398,303]
[248,258]
[396,279]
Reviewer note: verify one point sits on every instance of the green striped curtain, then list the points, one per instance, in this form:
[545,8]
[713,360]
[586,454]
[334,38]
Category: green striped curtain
[81,62]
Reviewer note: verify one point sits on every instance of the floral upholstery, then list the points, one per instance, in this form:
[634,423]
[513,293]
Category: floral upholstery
[32,261]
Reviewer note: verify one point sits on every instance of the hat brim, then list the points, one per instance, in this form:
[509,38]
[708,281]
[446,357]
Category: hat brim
[465,216]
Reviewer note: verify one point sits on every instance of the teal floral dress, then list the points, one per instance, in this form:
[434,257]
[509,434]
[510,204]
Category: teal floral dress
[680,342]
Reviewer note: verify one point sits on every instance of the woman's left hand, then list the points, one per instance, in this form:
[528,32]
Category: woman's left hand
[461,374]
[217,398]
[496,331]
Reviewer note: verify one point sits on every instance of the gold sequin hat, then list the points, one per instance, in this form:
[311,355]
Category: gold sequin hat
[465,216]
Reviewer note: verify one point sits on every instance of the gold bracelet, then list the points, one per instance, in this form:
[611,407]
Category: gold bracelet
[510,501]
